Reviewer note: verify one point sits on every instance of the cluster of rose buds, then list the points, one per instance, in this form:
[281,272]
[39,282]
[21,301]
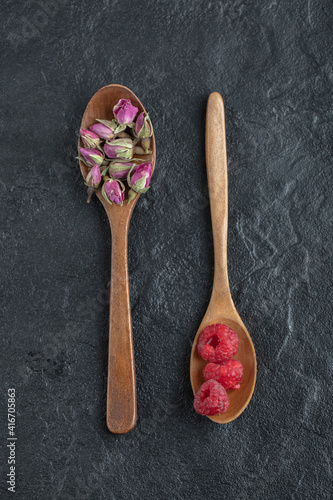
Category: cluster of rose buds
[109,149]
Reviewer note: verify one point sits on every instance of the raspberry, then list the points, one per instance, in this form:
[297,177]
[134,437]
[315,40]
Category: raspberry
[211,399]
[217,343]
[228,374]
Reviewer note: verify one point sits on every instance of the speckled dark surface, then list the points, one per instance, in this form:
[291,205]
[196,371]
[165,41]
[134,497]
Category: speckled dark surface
[272,63]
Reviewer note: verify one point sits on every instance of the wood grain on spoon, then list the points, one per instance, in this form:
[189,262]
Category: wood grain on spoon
[221,308]
[121,410]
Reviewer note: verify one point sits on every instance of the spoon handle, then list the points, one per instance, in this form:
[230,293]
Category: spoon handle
[121,388]
[217,173]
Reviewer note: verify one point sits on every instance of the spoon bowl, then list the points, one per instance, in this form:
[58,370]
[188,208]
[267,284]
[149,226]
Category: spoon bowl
[121,409]
[100,106]
[221,308]
[239,398]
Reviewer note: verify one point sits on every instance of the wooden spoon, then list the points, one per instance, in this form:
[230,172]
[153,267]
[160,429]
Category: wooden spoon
[221,308]
[121,386]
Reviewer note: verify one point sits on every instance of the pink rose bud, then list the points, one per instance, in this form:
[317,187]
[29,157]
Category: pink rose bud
[89,139]
[143,126]
[124,111]
[102,131]
[91,156]
[140,179]
[119,148]
[94,176]
[113,191]
[120,170]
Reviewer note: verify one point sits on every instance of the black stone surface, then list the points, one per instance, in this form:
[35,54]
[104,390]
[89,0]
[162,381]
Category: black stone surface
[272,63]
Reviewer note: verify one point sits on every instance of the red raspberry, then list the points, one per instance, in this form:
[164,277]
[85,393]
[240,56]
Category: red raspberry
[217,343]
[211,399]
[229,374]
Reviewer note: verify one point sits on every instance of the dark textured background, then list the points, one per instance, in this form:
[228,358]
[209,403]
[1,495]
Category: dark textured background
[272,63]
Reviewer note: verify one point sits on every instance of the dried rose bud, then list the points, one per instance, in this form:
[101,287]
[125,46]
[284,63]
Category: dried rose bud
[145,143]
[119,148]
[113,191]
[91,156]
[124,135]
[143,126]
[119,170]
[124,111]
[93,180]
[89,139]
[139,180]
[94,177]
[103,131]
[138,150]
